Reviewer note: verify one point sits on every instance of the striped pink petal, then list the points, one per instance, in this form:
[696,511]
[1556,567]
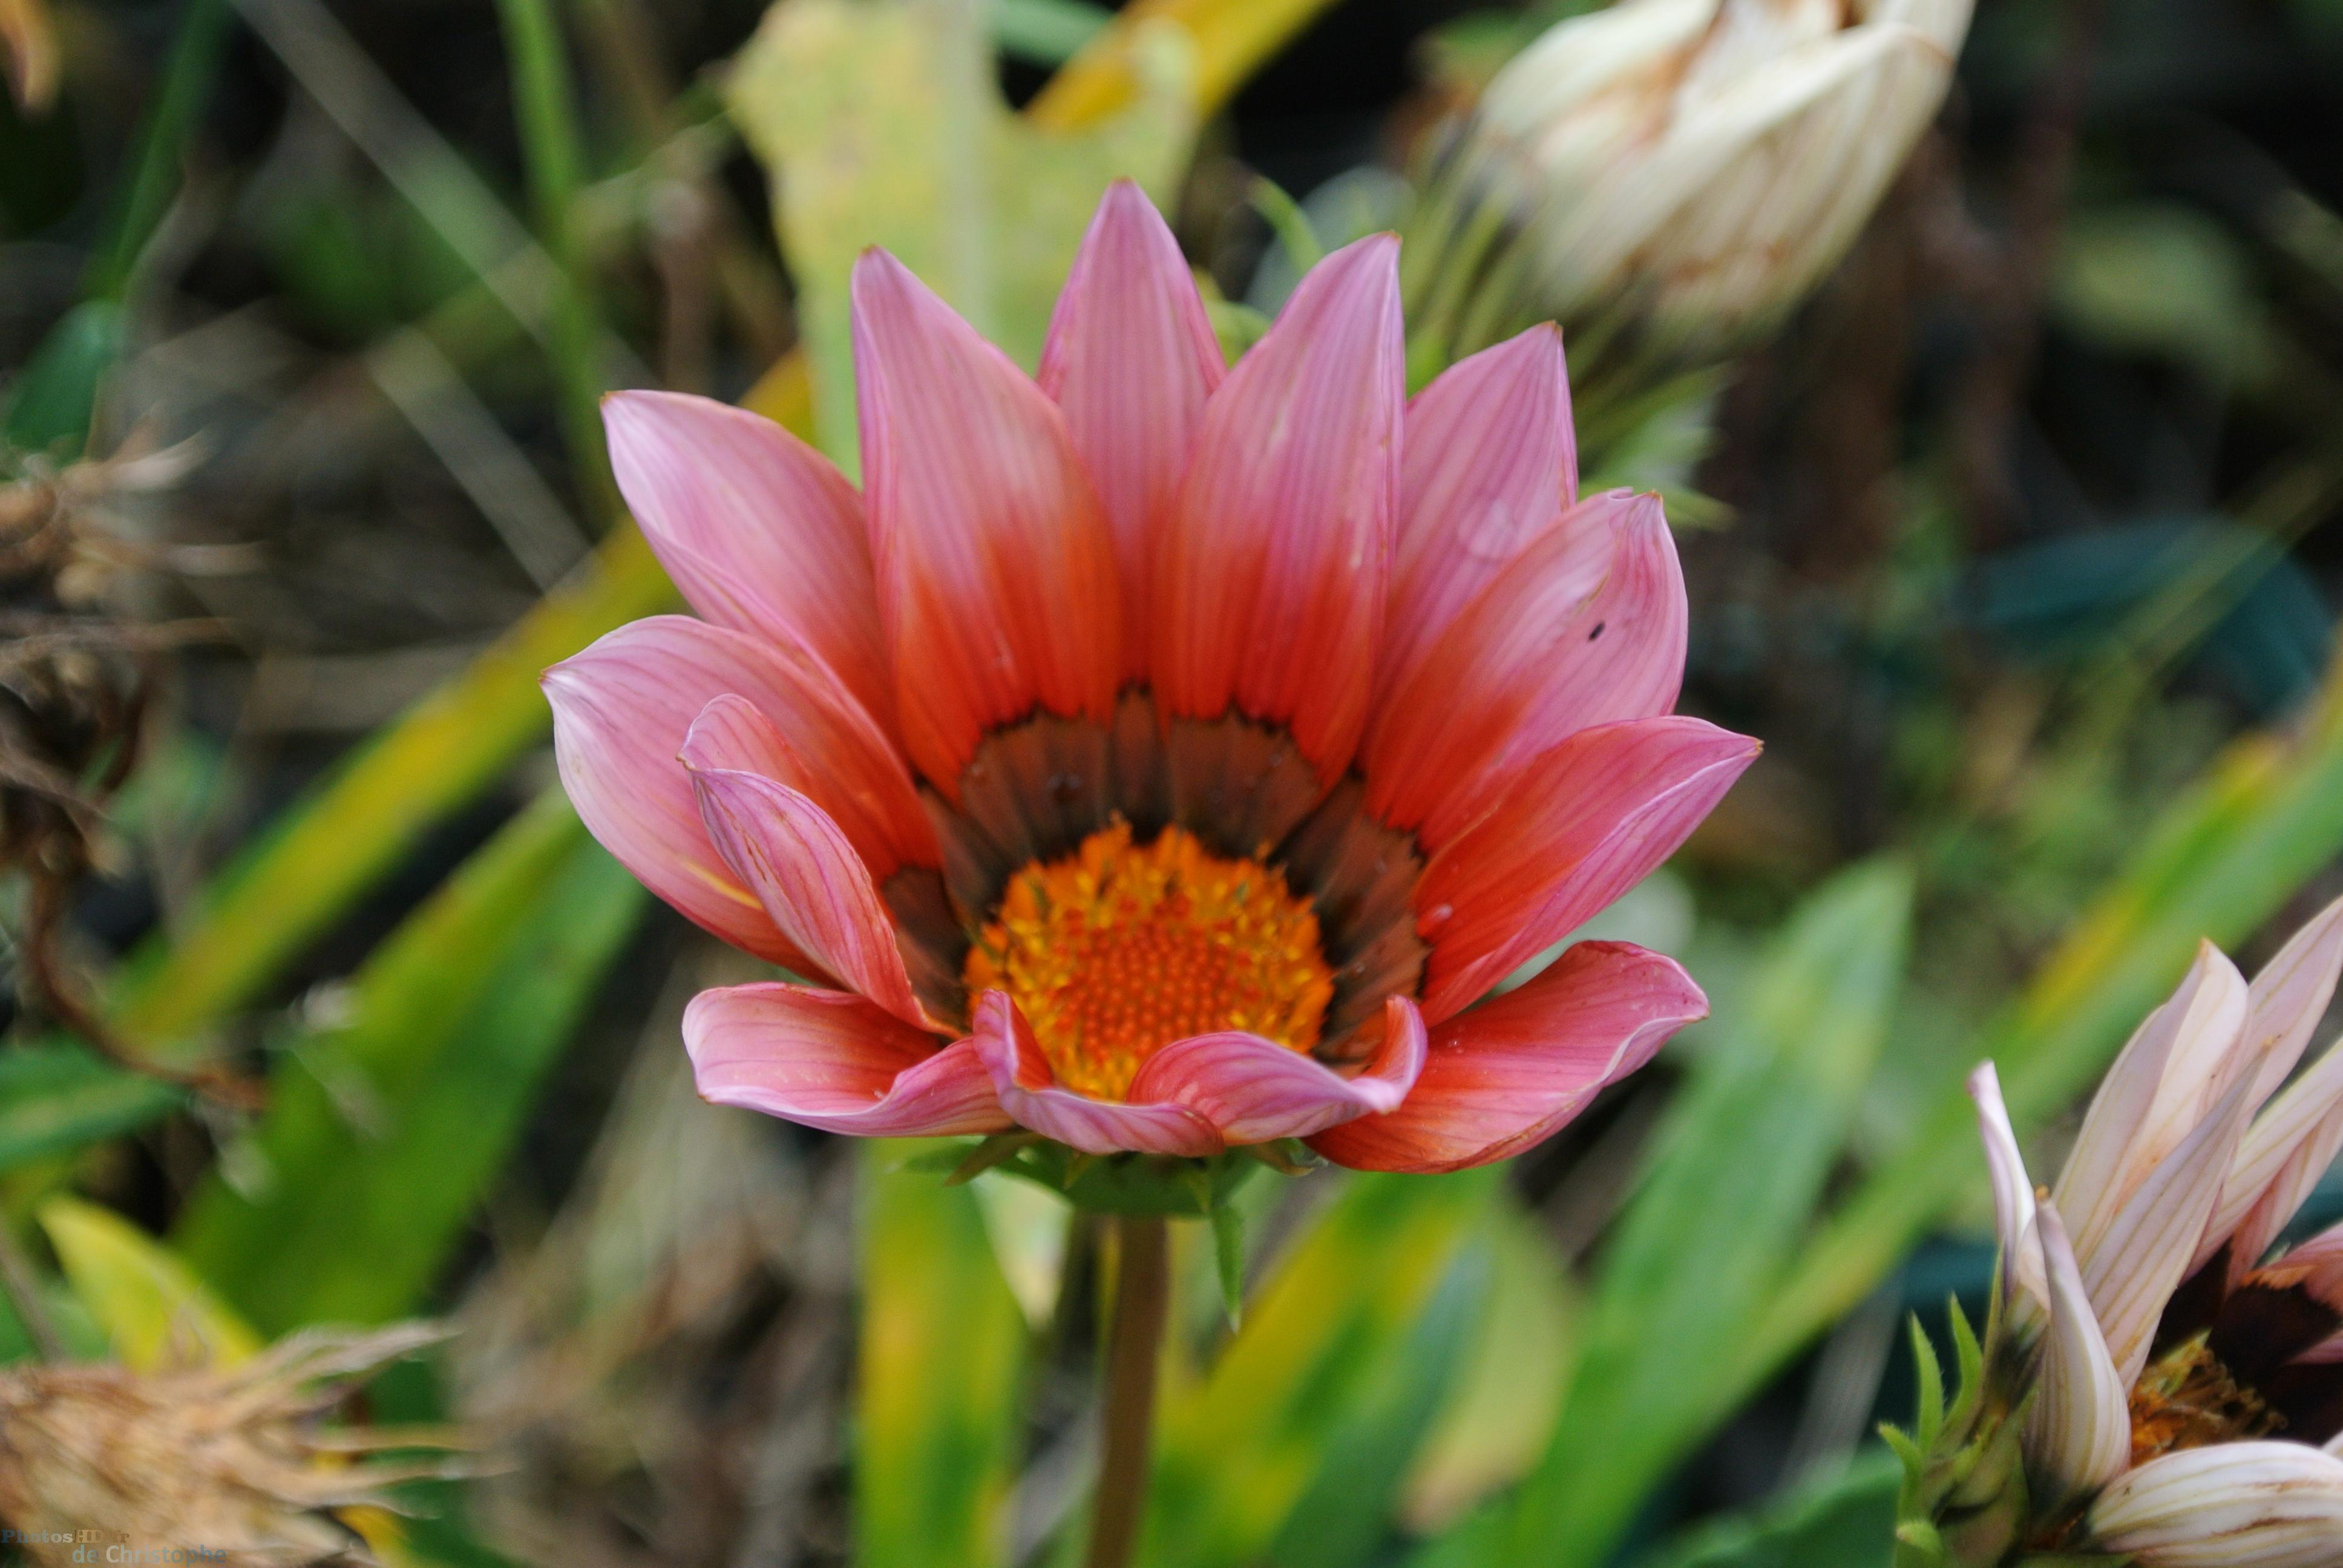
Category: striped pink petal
[996,571]
[762,532]
[1583,824]
[732,732]
[2230,1505]
[835,1062]
[1255,1090]
[2078,1429]
[1032,1094]
[621,710]
[1270,577]
[1130,359]
[1511,1072]
[817,891]
[1533,660]
[1490,465]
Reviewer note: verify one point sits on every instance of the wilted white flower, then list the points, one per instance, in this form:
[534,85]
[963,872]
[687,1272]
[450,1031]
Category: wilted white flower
[1684,172]
[2182,1389]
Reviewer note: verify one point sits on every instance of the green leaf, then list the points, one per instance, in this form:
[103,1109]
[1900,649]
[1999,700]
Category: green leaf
[1847,1522]
[1239,1450]
[155,1310]
[383,1130]
[941,1367]
[50,405]
[57,1098]
[1047,32]
[2223,860]
[1500,1412]
[883,125]
[319,855]
[1738,1169]
[1346,1515]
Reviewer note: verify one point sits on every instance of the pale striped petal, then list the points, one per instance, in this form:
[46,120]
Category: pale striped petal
[2178,1063]
[2078,1430]
[2231,1506]
[2132,1266]
[2013,1199]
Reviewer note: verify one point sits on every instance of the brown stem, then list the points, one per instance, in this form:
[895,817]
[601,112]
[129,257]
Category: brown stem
[1134,1345]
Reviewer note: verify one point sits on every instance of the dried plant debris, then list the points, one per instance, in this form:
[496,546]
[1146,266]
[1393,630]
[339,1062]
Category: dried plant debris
[237,1462]
[76,677]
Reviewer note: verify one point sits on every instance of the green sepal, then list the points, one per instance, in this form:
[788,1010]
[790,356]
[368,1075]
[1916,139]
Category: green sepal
[1227,1258]
[997,1150]
[1964,1502]
[1132,1183]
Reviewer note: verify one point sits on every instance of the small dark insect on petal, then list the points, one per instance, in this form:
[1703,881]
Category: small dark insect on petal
[1597,631]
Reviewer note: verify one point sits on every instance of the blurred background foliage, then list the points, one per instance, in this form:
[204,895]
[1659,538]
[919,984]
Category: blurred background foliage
[2013,544]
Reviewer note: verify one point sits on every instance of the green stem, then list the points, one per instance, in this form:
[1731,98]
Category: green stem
[1134,1346]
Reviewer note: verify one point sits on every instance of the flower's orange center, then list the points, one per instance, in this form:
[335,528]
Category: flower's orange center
[1119,949]
[2187,1398]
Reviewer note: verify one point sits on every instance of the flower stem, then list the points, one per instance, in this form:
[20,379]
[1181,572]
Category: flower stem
[1134,1345]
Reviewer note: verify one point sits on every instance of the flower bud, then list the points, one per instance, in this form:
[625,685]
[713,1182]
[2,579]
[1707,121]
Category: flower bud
[1673,176]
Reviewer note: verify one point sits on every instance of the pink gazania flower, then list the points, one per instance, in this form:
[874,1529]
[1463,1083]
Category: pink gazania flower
[1154,756]
[2187,1404]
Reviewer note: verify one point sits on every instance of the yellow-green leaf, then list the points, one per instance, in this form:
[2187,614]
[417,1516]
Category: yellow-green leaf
[882,126]
[154,1310]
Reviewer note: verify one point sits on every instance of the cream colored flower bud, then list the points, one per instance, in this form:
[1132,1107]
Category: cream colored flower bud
[1688,169]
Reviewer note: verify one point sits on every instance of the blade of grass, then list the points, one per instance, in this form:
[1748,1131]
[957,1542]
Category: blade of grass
[322,854]
[1737,1170]
[2220,863]
[1239,1451]
[57,1098]
[187,86]
[550,147]
[456,1023]
[941,1365]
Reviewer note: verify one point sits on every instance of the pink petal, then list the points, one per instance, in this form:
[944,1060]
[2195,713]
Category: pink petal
[834,1061]
[1531,661]
[1130,359]
[759,531]
[2229,1505]
[1254,1090]
[732,732]
[1270,577]
[996,570]
[621,710]
[1586,822]
[1509,1073]
[2079,1431]
[1031,1093]
[813,884]
[1489,466]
